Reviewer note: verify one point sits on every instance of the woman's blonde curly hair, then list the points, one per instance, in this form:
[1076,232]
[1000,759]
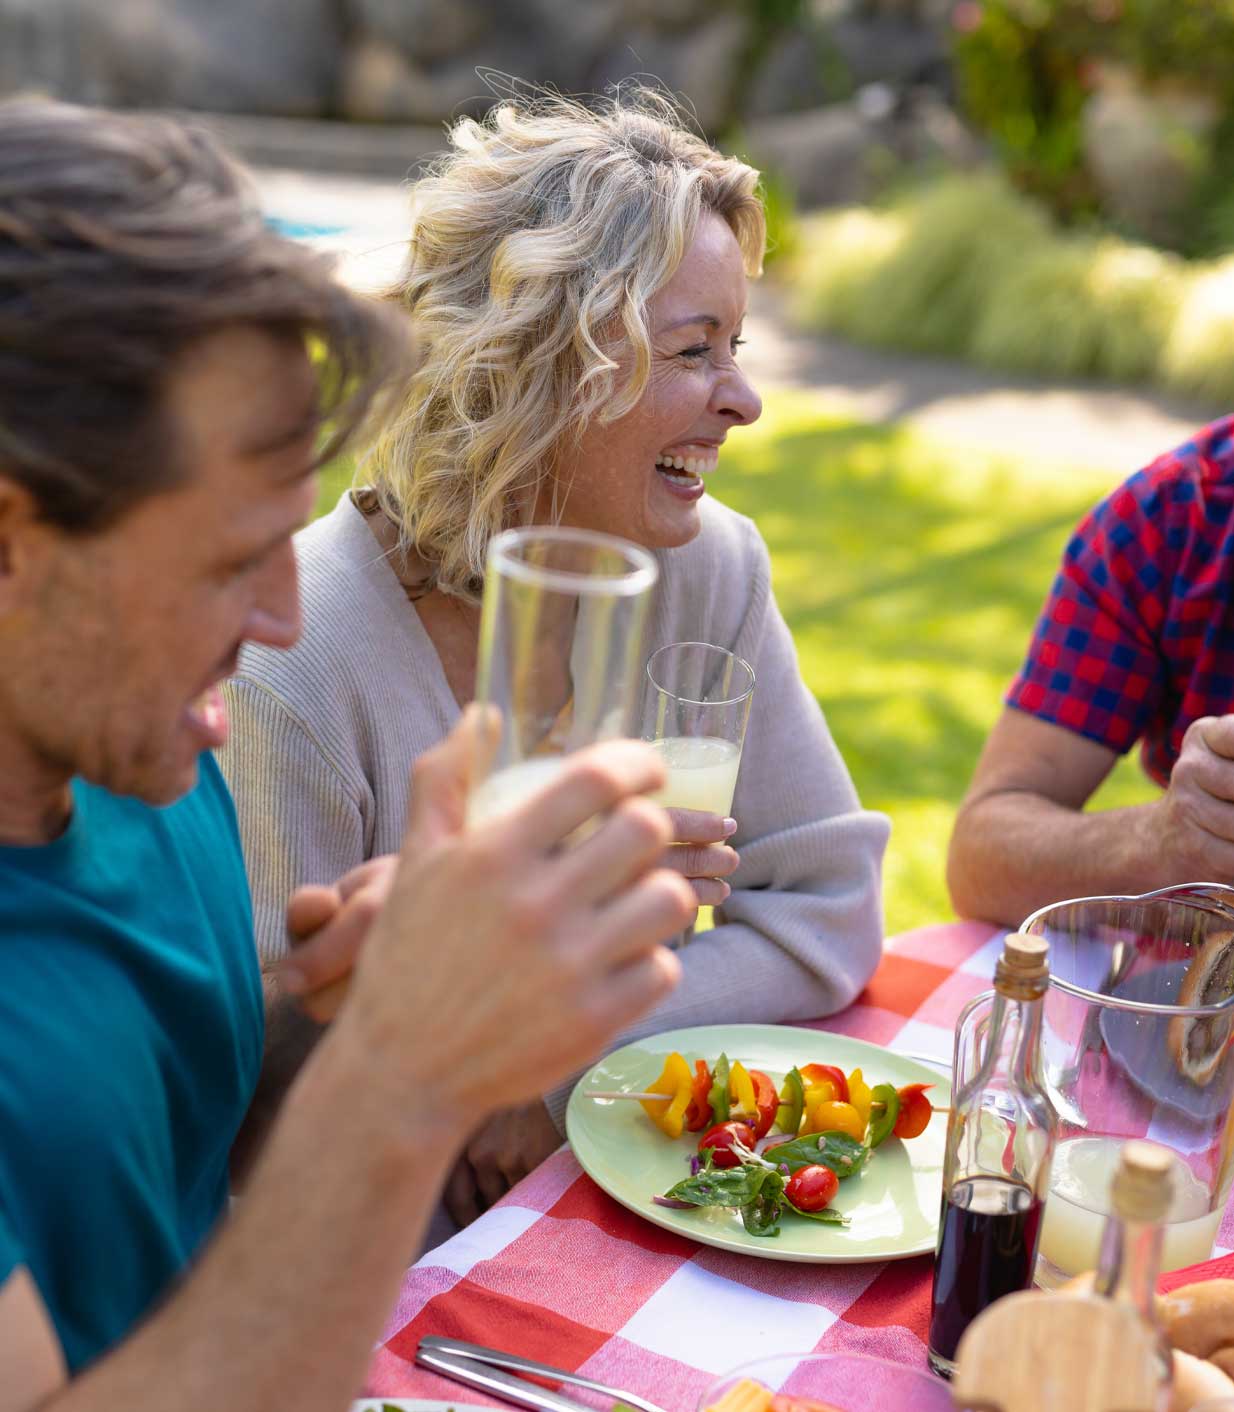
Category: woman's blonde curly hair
[535,247]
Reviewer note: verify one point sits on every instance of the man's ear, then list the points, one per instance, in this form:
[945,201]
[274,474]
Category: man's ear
[22,535]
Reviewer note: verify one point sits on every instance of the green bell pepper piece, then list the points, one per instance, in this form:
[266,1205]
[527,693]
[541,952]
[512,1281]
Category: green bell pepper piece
[884,1110]
[792,1103]
[718,1096]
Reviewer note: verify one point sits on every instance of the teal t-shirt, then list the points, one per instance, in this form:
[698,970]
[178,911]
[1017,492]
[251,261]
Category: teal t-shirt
[131,1034]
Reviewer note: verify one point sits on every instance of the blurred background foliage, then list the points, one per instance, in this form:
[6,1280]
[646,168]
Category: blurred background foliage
[970,267]
[1030,72]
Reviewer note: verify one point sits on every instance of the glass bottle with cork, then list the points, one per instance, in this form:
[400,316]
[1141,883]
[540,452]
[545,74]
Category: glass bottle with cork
[1000,1140]
[1130,1259]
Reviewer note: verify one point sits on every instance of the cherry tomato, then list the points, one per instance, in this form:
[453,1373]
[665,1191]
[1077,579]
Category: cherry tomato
[766,1100]
[915,1111]
[721,1138]
[698,1114]
[832,1117]
[815,1074]
[811,1188]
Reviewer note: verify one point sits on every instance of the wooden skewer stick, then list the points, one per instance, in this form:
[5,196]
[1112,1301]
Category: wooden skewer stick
[668,1098]
[642,1097]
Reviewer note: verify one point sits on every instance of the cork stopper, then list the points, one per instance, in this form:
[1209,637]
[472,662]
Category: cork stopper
[1023,970]
[1143,1185]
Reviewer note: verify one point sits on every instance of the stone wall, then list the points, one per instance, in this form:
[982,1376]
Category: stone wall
[415,61]
[817,97]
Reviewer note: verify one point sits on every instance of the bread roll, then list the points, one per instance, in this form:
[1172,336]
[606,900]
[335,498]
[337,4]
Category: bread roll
[1199,1045]
[1196,1381]
[1199,1318]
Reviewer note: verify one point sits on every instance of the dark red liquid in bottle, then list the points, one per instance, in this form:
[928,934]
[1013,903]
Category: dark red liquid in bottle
[987,1248]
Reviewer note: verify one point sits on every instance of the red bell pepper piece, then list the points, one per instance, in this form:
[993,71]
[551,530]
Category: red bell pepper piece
[818,1073]
[766,1100]
[915,1111]
[698,1114]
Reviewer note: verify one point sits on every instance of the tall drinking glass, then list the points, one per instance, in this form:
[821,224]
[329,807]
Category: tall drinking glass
[696,706]
[561,642]
[1136,1042]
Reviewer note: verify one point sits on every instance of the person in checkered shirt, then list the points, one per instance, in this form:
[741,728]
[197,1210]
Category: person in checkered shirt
[1135,644]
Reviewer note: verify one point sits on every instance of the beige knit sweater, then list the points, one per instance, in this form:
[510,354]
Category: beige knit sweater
[323,737]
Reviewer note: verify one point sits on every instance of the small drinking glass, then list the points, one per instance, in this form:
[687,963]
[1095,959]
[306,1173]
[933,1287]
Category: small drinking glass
[696,707]
[839,1382]
[561,640]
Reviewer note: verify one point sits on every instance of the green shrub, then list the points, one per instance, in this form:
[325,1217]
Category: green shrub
[971,268]
[1080,308]
[1198,356]
[780,210]
[962,235]
[1025,69]
[918,274]
[1022,70]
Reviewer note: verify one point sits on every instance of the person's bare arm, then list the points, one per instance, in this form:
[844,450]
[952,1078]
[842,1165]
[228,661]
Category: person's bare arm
[1021,838]
[285,1303]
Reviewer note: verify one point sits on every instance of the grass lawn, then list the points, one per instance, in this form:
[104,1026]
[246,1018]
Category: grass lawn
[911,573]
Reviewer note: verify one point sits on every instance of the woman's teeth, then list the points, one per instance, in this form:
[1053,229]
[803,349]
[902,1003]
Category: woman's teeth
[692,465]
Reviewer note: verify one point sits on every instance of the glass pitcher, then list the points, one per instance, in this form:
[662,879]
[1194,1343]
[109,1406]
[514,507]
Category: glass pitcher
[1136,1043]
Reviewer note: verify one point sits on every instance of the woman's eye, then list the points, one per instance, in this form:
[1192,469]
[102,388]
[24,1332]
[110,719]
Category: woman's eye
[737,343]
[699,351]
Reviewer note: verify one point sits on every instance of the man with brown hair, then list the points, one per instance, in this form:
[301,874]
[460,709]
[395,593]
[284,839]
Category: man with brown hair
[159,416]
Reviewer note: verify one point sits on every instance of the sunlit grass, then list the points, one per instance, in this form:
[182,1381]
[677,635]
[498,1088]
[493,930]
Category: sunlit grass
[910,573]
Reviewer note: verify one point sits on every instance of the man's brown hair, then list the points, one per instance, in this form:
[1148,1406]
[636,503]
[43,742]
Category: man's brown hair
[123,241]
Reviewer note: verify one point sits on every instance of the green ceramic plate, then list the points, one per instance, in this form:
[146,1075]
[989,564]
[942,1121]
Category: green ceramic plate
[411,1404]
[892,1204]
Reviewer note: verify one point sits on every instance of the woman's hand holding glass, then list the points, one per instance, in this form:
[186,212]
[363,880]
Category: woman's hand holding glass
[701,854]
[695,709]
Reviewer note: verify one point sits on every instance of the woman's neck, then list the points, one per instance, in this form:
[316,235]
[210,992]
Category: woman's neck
[452,625]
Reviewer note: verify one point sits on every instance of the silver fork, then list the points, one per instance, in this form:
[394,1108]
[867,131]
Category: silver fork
[471,1363]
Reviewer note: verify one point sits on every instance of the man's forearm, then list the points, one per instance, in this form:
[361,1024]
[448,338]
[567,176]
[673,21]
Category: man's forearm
[1013,851]
[283,1308]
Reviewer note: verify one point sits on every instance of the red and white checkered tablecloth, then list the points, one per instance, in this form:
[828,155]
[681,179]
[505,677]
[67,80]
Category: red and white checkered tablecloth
[560,1272]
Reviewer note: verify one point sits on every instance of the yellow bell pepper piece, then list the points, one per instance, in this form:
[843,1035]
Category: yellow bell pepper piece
[816,1096]
[827,1115]
[860,1095]
[743,1104]
[745,1396]
[675,1081]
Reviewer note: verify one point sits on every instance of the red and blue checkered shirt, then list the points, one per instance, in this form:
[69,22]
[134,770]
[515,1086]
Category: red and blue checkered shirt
[1136,639]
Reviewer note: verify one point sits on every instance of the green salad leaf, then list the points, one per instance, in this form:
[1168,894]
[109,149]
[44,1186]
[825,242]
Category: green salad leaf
[827,1215]
[728,1186]
[761,1217]
[755,1190]
[843,1154]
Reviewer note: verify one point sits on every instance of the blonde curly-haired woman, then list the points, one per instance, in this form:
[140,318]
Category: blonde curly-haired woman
[576,277]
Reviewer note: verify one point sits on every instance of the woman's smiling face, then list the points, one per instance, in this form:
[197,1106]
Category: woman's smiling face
[642,476]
